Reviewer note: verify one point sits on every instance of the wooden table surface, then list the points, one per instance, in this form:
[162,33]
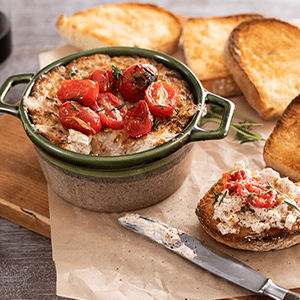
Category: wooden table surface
[27,270]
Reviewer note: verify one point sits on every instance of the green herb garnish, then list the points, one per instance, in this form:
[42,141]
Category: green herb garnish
[223,197]
[155,124]
[243,129]
[100,109]
[117,73]
[74,106]
[287,198]
[216,197]
[118,107]
[73,72]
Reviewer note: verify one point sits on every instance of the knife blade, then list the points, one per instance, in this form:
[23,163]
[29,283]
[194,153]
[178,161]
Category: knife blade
[212,260]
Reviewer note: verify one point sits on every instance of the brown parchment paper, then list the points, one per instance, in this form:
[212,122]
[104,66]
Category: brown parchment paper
[96,258]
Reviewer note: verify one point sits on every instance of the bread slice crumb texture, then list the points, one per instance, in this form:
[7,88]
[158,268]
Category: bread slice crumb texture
[204,40]
[125,24]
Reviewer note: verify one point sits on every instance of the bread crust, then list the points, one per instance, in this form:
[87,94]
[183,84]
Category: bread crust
[281,150]
[272,239]
[132,24]
[259,67]
[203,41]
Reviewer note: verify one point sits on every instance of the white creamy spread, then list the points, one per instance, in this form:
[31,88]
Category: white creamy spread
[160,232]
[186,251]
[233,212]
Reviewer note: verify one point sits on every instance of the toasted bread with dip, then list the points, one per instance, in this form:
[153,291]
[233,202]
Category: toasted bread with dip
[230,215]
[262,56]
[281,150]
[124,24]
[203,42]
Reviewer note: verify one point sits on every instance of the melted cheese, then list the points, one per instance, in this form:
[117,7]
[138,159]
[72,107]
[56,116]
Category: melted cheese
[43,107]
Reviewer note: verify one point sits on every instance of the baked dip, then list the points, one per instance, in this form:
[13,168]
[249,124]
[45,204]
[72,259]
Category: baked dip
[143,105]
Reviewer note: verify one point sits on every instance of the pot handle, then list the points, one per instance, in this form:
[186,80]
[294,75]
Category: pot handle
[5,88]
[199,134]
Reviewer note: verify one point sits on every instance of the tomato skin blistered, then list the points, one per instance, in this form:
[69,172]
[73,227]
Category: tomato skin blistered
[105,79]
[161,98]
[72,115]
[138,121]
[135,80]
[84,91]
[111,110]
[252,190]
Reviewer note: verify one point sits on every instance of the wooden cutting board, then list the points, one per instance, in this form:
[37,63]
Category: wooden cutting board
[23,187]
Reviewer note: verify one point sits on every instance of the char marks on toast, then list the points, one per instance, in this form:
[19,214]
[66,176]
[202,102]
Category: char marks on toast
[262,56]
[281,150]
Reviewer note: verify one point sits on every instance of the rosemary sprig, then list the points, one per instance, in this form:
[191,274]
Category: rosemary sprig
[217,195]
[118,107]
[287,198]
[243,129]
[155,124]
[251,195]
[73,106]
[117,73]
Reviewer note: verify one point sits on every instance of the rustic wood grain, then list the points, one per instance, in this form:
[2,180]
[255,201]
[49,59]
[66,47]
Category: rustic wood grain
[23,188]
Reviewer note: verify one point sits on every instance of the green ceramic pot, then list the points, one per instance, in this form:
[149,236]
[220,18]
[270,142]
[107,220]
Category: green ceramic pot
[125,182]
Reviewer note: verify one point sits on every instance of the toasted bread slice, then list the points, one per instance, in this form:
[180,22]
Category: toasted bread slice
[251,228]
[281,150]
[203,43]
[123,24]
[262,56]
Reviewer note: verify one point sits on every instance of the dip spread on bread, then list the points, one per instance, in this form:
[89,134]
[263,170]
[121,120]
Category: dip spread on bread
[253,210]
[104,105]
[258,200]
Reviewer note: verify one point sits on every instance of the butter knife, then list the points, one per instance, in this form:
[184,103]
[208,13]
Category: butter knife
[214,261]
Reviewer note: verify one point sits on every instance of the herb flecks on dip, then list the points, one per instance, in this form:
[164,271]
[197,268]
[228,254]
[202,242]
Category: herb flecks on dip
[50,112]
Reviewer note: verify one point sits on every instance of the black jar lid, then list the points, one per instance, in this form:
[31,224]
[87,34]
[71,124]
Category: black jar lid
[5,38]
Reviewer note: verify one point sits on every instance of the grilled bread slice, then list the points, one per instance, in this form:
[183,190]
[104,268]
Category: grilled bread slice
[123,24]
[281,150]
[262,56]
[236,223]
[203,43]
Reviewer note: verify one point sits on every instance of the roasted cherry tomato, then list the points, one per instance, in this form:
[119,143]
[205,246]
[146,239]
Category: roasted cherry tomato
[257,193]
[138,121]
[72,115]
[84,92]
[135,80]
[254,191]
[161,98]
[107,78]
[111,110]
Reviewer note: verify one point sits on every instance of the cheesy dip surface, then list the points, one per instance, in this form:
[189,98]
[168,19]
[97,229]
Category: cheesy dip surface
[233,213]
[43,106]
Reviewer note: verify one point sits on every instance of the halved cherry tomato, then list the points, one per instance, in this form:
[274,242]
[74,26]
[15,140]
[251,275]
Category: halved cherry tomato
[72,115]
[135,80]
[107,78]
[161,98]
[257,193]
[111,110]
[254,191]
[83,91]
[138,121]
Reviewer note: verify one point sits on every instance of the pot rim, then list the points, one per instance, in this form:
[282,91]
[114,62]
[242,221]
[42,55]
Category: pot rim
[119,161]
